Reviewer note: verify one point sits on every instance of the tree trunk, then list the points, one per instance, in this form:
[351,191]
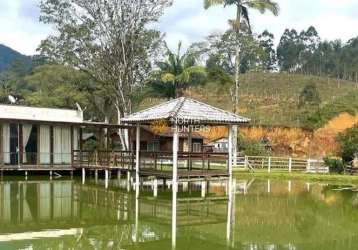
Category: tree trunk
[237,83]
[237,59]
[123,133]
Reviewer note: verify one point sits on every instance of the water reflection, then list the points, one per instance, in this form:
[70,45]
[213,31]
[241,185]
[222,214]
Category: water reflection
[239,214]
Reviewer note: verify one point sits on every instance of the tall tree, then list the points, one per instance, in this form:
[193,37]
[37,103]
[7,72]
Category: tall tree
[109,40]
[242,17]
[267,43]
[176,73]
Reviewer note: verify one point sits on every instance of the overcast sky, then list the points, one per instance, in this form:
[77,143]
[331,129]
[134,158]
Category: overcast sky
[187,21]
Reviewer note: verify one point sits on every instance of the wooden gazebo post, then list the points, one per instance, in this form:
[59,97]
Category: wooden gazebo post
[175,183]
[230,149]
[137,159]
[175,158]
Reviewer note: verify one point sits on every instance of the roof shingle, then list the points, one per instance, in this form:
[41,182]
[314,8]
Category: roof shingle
[185,110]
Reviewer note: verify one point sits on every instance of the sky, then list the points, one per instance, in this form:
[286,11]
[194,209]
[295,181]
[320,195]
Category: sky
[187,21]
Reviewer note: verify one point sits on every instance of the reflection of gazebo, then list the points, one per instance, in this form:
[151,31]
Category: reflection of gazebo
[184,114]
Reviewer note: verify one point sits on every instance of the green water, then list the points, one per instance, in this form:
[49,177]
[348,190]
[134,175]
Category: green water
[261,214]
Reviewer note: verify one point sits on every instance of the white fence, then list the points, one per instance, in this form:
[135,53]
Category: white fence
[289,164]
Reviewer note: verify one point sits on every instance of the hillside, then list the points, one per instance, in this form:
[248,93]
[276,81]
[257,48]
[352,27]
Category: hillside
[9,56]
[271,99]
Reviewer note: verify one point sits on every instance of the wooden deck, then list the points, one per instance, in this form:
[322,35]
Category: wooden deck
[37,168]
[194,165]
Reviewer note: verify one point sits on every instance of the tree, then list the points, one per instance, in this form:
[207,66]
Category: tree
[349,144]
[289,50]
[309,96]
[176,73]
[222,49]
[109,40]
[242,17]
[266,40]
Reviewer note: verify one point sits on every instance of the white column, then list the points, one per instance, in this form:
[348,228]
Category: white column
[229,213]
[106,172]
[155,187]
[137,159]
[83,175]
[203,188]
[234,144]
[136,219]
[175,185]
[174,218]
[269,164]
[175,158]
[96,176]
[268,186]
[290,164]
[128,181]
[230,150]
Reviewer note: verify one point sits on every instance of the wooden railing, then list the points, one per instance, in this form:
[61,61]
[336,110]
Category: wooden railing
[103,159]
[186,160]
[149,160]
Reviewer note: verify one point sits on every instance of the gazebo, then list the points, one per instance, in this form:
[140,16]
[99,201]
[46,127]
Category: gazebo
[183,114]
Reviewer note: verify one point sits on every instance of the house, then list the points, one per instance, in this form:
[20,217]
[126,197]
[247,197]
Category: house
[220,145]
[152,140]
[39,138]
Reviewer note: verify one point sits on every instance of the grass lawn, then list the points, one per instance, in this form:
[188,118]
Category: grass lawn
[336,178]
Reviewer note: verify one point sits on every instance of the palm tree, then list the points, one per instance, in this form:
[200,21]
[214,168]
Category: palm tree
[175,74]
[242,17]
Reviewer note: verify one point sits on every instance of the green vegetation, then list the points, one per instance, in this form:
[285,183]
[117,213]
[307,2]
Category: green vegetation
[176,74]
[336,178]
[309,96]
[335,165]
[349,144]
[273,98]
[339,103]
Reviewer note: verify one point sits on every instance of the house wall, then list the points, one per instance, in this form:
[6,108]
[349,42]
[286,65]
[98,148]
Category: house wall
[37,144]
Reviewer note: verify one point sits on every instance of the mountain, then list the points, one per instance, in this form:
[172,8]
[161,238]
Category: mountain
[9,56]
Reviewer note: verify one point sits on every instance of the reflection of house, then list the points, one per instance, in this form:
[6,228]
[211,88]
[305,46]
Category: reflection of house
[163,141]
[31,136]
[220,145]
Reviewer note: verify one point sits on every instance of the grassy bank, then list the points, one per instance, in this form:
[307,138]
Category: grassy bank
[336,178]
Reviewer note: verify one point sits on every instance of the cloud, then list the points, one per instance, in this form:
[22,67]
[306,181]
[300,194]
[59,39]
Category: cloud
[20,28]
[187,21]
[333,19]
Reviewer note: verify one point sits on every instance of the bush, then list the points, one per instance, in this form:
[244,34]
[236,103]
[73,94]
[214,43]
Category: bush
[335,165]
[252,147]
[309,96]
[349,144]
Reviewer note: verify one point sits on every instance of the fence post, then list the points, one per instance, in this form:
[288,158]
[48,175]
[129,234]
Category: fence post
[246,162]
[308,165]
[290,164]
[269,164]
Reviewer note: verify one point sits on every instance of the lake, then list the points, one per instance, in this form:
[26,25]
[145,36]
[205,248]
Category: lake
[257,214]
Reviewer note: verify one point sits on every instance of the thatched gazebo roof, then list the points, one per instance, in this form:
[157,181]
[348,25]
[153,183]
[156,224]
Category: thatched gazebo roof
[185,110]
